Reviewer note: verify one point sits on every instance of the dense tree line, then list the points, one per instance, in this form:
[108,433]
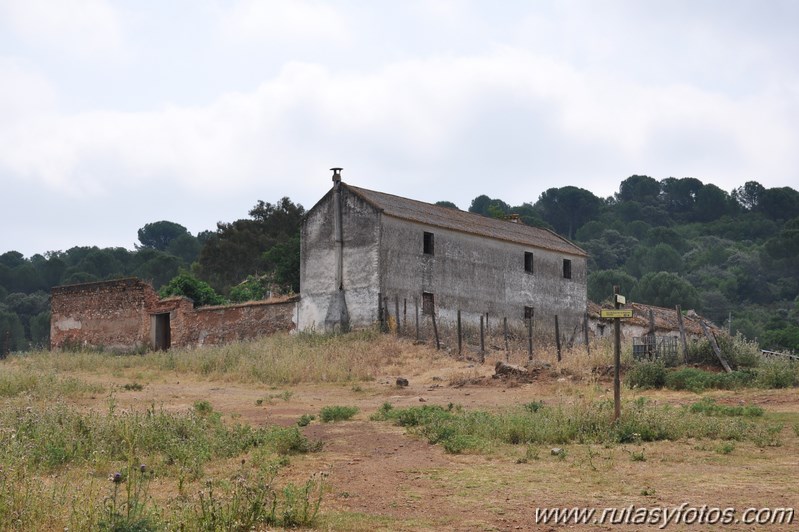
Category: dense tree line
[732,256]
[674,241]
[243,260]
[25,283]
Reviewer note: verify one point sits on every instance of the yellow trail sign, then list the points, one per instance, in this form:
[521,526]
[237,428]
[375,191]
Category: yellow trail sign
[619,313]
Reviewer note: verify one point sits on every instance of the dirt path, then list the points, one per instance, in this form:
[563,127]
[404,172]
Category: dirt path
[381,478]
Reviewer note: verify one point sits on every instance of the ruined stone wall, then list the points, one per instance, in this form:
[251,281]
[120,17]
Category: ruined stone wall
[230,323]
[110,314]
[120,316]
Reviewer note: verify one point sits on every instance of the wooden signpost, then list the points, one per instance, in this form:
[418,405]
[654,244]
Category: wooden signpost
[617,314]
[621,313]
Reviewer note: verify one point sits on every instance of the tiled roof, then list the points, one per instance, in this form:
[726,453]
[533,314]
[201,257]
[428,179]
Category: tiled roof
[466,222]
[665,318]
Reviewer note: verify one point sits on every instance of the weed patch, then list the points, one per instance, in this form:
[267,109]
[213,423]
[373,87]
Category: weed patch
[697,380]
[330,414]
[57,435]
[58,440]
[252,501]
[709,407]
[778,374]
[15,381]
[305,420]
[771,374]
[646,375]
[458,431]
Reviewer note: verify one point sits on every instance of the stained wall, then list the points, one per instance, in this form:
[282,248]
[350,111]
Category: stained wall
[120,315]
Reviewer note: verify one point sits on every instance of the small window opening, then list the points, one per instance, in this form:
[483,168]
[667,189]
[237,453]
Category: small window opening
[528,313]
[428,304]
[428,243]
[567,269]
[528,262]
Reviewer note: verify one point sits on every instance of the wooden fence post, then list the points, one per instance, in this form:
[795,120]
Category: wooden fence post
[530,340]
[381,314]
[682,334]
[557,336]
[482,340]
[585,332]
[651,338]
[460,334]
[416,304]
[715,346]
[505,332]
[435,330]
[396,312]
[616,359]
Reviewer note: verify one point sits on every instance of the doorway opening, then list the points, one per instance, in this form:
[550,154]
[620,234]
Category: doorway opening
[162,332]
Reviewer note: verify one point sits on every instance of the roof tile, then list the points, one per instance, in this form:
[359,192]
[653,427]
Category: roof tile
[466,222]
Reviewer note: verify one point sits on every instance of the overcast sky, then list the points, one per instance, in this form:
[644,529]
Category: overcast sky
[115,114]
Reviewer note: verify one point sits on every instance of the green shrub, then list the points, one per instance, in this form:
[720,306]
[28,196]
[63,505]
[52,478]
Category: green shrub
[251,503]
[203,407]
[641,421]
[778,374]
[459,443]
[383,413]
[185,284]
[739,352]
[305,420]
[289,440]
[533,407]
[56,435]
[15,381]
[129,510]
[697,380]
[337,413]
[646,375]
[709,407]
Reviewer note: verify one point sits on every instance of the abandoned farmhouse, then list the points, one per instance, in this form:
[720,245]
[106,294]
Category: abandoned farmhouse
[366,257]
[364,251]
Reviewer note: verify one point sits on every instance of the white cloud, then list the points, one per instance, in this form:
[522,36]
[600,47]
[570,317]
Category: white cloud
[24,92]
[438,99]
[284,20]
[522,113]
[87,29]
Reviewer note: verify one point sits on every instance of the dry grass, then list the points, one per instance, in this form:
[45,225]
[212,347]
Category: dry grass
[311,358]
[275,360]
[417,485]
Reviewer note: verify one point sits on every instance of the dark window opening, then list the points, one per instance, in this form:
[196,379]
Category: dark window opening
[428,304]
[428,243]
[528,262]
[567,269]
[528,313]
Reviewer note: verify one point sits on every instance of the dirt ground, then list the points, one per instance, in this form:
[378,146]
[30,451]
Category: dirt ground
[381,478]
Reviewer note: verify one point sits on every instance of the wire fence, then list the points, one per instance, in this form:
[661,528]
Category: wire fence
[471,334]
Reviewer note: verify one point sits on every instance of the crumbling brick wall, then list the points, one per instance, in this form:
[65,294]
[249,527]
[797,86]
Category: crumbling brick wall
[120,316]
[230,323]
[109,314]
